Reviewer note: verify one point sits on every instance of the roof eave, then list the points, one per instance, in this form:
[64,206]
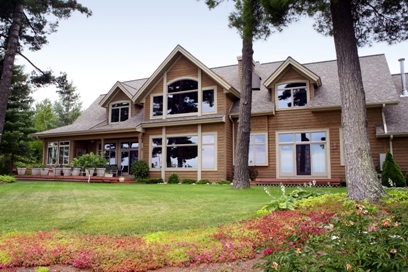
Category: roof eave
[119,85]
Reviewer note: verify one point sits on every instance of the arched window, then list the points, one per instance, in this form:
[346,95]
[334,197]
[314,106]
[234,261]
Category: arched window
[183,98]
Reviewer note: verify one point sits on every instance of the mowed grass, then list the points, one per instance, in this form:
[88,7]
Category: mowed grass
[126,209]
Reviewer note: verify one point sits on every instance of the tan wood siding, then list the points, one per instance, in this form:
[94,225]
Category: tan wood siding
[400,151]
[158,89]
[222,151]
[182,68]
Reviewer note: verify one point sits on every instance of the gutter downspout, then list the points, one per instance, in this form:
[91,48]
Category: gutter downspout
[391,138]
[383,119]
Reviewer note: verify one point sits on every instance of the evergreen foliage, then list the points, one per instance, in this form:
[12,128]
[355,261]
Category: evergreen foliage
[19,124]
[173,179]
[139,169]
[391,171]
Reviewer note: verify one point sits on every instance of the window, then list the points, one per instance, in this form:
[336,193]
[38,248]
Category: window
[183,98]
[292,95]
[58,153]
[208,151]
[109,151]
[257,149]
[119,112]
[63,153]
[182,152]
[302,154]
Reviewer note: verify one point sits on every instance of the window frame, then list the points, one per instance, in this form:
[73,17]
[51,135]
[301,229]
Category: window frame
[58,145]
[199,145]
[293,174]
[200,90]
[265,144]
[293,107]
[120,109]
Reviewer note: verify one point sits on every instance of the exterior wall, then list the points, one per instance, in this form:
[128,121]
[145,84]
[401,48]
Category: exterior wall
[182,68]
[221,151]
[400,151]
[158,89]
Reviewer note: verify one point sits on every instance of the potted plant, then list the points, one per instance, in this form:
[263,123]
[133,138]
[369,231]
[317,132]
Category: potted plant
[89,162]
[57,169]
[36,170]
[67,170]
[101,165]
[108,173]
[76,167]
[44,170]
[121,179]
[21,168]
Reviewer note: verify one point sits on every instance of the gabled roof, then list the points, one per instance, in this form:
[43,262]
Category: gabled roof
[165,66]
[396,116]
[289,62]
[112,92]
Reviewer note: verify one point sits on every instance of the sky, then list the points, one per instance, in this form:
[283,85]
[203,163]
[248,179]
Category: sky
[129,39]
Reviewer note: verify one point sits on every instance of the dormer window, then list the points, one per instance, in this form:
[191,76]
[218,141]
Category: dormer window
[292,95]
[119,112]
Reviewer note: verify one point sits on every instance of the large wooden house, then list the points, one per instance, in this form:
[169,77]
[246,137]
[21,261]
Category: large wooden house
[184,118]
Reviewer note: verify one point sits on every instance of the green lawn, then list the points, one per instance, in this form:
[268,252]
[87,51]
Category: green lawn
[126,208]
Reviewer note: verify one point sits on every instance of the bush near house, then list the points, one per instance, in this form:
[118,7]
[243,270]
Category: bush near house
[139,169]
[203,181]
[7,179]
[391,171]
[173,179]
[188,181]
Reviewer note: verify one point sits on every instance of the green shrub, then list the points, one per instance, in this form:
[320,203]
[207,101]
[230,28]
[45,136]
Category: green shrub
[203,181]
[224,182]
[145,180]
[154,180]
[139,169]
[173,179]
[188,181]
[7,179]
[392,172]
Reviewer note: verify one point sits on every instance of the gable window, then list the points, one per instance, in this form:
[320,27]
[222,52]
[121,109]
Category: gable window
[292,95]
[257,149]
[119,112]
[183,97]
[302,154]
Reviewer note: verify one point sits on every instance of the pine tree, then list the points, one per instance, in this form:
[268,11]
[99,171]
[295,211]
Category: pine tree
[19,124]
[27,23]
[391,174]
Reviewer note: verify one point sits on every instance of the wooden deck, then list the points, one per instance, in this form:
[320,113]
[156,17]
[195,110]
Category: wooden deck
[93,179]
[323,182]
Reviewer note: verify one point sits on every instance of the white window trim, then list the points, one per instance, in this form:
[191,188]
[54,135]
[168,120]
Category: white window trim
[214,88]
[292,108]
[328,161]
[199,154]
[110,111]
[266,149]
[215,151]
[58,152]
[165,93]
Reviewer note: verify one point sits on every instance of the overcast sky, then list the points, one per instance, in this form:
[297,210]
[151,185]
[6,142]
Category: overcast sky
[128,39]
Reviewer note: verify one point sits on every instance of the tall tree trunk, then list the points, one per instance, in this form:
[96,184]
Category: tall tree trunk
[5,81]
[241,175]
[361,177]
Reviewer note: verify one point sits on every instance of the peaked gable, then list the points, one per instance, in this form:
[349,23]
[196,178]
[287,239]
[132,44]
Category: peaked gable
[112,92]
[287,64]
[168,63]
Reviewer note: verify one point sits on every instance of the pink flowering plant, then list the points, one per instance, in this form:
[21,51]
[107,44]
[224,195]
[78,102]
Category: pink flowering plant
[361,238]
